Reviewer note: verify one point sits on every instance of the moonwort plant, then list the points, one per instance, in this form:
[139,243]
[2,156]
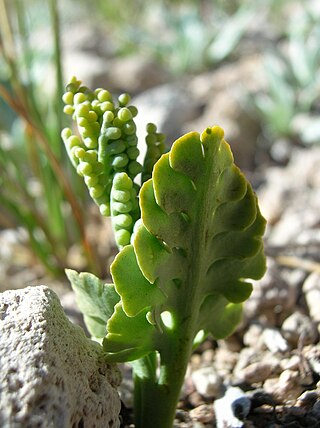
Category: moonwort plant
[190,236]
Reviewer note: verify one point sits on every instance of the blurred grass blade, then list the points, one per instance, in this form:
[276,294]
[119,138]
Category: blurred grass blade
[230,34]
[39,155]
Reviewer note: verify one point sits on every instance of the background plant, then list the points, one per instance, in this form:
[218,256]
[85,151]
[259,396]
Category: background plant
[289,106]
[37,187]
[194,34]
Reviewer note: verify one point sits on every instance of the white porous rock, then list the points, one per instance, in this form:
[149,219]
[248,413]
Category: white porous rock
[52,375]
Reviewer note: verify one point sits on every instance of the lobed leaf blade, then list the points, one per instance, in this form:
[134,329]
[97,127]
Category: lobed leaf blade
[199,244]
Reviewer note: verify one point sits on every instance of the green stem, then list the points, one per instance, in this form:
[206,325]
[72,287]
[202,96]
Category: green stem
[156,398]
[144,376]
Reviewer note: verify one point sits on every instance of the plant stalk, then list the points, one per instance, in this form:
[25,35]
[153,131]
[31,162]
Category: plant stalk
[156,398]
[53,4]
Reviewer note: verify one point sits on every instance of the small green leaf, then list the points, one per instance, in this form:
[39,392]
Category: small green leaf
[224,316]
[95,300]
[128,338]
[136,291]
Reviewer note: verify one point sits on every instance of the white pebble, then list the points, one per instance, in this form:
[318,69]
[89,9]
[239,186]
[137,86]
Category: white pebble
[274,340]
[234,403]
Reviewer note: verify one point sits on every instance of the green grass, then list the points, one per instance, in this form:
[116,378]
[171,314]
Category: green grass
[32,155]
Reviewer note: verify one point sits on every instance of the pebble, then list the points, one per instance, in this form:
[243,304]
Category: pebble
[232,343]
[311,289]
[271,296]
[207,356]
[260,398]
[286,388]
[256,372]
[294,218]
[253,336]
[225,361]
[195,361]
[274,340]
[207,382]
[270,384]
[298,327]
[312,355]
[203,413]
[232,408]
[308,398]
[316,409]
[246,357]
[195,399]
[291,363]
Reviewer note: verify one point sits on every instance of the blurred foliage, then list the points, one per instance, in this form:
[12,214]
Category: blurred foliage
[37,189]
[191,36]
[183,36]
[290,103]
